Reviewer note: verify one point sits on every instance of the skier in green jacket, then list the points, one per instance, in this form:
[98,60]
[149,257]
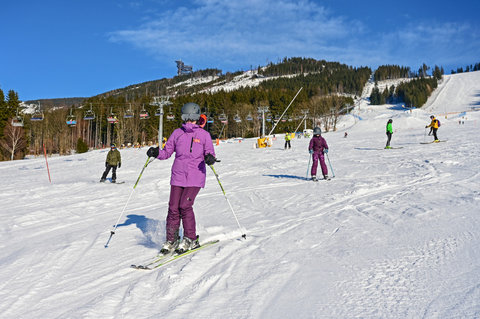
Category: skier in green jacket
[389,133]
[114,160]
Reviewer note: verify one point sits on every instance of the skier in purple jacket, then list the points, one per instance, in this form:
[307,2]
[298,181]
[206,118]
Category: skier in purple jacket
[193,149]
[317,147]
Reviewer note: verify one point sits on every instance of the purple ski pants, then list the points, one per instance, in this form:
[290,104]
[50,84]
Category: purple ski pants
[321,157]
[180,209]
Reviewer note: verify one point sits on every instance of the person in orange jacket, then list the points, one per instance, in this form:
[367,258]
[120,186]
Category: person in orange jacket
[202,121]
[434,125]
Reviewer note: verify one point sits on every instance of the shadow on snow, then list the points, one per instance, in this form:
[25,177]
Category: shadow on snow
[149,228]
[285,176]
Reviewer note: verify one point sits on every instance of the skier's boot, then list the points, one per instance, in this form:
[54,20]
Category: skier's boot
[388,147]
[436,141]
[314,178]
[325,176]
[114,180]
[187,244]
[168,247]
[102,180]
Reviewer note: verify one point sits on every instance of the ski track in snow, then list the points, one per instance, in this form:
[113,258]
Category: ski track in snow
[394,235]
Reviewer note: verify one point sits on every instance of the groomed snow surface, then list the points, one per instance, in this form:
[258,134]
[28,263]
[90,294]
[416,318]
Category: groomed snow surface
[395,234]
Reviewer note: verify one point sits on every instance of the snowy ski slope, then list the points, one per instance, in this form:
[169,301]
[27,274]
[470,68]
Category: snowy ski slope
[396,233]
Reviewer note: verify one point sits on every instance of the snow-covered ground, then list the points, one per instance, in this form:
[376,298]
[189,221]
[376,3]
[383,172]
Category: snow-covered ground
[396,233]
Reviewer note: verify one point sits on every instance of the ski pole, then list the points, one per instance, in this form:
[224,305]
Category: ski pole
[331,168]
[244,235]
[112,232]
[425,135]
[308,166]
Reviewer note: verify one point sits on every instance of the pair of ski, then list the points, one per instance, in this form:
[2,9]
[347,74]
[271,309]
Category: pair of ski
[433,142]
[161,260]
[321,179]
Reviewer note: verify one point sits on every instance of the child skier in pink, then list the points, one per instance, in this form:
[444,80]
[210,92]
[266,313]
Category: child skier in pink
[193,149]
[317,147]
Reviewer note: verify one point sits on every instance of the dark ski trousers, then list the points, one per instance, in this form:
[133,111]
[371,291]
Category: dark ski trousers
[435,133]
[389,138]
[287,143]
[107,170]
[180,209]
[316,157]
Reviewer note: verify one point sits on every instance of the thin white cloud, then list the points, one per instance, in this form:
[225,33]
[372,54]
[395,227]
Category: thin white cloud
[232,34]
[432,43]
[249,30]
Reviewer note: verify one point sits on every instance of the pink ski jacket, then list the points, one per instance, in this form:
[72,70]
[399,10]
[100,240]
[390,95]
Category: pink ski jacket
[190,144]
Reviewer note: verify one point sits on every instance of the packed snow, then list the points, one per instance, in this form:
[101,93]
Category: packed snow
[395,234]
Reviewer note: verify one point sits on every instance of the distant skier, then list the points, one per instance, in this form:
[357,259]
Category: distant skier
[389,133]
[434,124]
[114,160]
[193,149]
[288,138]
[345,135]
[317,147]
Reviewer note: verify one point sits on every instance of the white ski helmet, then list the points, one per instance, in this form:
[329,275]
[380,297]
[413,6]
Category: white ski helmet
[317,131]
[190,112]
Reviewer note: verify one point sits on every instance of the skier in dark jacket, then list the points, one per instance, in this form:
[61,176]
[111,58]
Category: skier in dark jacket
[193,148]
[317,147]
[389,132]
[114,160]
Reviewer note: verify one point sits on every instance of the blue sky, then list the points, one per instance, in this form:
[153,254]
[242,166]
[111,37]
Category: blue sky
[54,49]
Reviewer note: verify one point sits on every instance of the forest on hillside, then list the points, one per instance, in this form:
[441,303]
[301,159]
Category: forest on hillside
[130,116]
[414,93]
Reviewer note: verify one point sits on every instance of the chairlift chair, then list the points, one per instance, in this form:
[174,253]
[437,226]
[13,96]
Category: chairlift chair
[144,114]
[249,118]
[170,116]
[17,120]
[71,119]
[237,118]
[223,118]
[37,114]
[128,114]
[89,114]
[112,118]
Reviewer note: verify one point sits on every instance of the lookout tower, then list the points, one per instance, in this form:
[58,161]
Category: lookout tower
[183,69]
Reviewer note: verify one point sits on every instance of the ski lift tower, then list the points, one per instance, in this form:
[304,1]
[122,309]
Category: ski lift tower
[305,113]
[183,69]
[160,102]
[263,110]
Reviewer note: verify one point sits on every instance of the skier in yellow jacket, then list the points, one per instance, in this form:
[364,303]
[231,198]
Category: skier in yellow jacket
[434,125]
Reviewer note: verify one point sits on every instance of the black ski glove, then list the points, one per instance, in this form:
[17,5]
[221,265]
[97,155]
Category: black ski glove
[210,159]
[153,152]
[119,165]
[106,164]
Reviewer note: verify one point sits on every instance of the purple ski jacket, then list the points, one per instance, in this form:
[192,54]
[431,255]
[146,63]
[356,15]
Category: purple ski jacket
[190,144]
[317,144]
